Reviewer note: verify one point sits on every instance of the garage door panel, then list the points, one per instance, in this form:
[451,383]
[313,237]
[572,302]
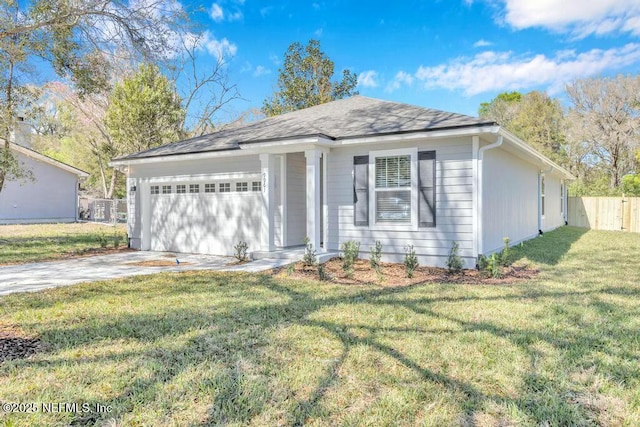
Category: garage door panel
[205,223]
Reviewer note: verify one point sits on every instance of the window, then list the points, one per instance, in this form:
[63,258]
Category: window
[181,188]
[194,188]
[155,189]
[225,187]
[562,198]
[242,186]
[361,190]
[393,189]
[166,189]
[209,188]
[256,186]
[542,194]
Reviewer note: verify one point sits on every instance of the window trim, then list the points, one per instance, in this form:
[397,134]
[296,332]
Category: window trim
[542,196]
[413,159]
[192,186]
[181,189]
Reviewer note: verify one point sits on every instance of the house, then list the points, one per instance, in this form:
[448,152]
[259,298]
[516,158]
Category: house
[52,195]
[354,169]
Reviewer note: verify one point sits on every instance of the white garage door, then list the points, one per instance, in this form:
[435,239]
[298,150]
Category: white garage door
[205,217]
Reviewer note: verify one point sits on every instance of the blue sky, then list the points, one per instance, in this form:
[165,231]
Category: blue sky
[448,54]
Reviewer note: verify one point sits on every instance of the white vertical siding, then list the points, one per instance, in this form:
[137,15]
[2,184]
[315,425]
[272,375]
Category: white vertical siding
[296,199]
[51,197]
[454,210]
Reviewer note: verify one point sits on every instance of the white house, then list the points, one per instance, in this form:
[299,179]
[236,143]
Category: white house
[52,195]
[355,169]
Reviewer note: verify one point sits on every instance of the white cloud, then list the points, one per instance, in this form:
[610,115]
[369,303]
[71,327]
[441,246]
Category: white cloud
[400,78]
[318,32]
[579,17]
[208,42]
[274,59]
[316,6]
[482,43]
[261,71]
[216,12]
[368,79]
[500,71]
[235,16]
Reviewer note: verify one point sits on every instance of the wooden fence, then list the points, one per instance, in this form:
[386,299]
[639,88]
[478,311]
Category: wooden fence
[605,213]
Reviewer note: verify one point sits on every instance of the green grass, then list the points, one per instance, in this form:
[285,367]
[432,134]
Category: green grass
[40,242]
[236,349]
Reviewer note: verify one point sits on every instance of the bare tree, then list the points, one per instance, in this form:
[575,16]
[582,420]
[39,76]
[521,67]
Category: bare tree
[206,92]
[603,125]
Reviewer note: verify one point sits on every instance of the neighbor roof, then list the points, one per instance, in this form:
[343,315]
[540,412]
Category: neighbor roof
[357,116]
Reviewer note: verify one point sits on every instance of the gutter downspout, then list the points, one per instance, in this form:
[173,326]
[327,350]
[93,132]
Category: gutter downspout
[479,237]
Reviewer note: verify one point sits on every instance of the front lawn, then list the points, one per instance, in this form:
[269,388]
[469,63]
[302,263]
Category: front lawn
[41,242]
[202,348]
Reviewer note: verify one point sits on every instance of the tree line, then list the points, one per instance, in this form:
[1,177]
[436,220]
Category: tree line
[118,65]
[596,137]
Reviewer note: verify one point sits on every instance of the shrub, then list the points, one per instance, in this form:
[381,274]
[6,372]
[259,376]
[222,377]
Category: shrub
[351,251]
[241,251]
[505,254]
[494,265]
[454,262]
[102,239]
[375,257]
[117,238]
[309,257]
[290,269]
[482,262]
[323,274]
[410,261]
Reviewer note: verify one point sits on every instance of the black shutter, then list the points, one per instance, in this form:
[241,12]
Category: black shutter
[361,190]
[427,188]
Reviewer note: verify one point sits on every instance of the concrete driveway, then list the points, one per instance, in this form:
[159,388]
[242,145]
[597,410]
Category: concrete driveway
[43,275]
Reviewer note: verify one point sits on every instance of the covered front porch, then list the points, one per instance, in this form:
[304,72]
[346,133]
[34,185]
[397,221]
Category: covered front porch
[294,203]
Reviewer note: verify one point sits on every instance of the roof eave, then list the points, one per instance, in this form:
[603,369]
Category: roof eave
[46,159]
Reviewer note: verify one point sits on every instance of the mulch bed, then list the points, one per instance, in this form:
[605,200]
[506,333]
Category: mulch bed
[15,344]
[394,274]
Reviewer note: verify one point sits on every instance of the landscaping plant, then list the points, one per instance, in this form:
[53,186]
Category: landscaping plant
[376,256]
[351,251]
[241,251]
[410,261]
[454,262]
[309,257]
[505,254]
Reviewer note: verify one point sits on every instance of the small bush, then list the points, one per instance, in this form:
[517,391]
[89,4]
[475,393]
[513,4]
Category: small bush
[351,251]
[117,238]
[323,274]
[102,239]
[309,258]
[494,266]
[454,262]
[505,254]
[375,257]
[291,268]
[482,262]
[241,251]
[410,261]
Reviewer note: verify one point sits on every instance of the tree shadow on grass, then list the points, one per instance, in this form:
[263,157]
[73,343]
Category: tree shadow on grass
[236,336]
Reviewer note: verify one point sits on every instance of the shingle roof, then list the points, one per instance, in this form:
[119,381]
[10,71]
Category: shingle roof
[357,116]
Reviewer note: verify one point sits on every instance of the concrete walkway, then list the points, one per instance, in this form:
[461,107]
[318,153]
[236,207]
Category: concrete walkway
[43,275]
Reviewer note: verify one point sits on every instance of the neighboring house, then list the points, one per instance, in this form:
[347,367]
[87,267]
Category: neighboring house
[52,195]
[355,169]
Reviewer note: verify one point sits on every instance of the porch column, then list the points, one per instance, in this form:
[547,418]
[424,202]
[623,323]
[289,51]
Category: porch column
[267,167]
[314,210]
